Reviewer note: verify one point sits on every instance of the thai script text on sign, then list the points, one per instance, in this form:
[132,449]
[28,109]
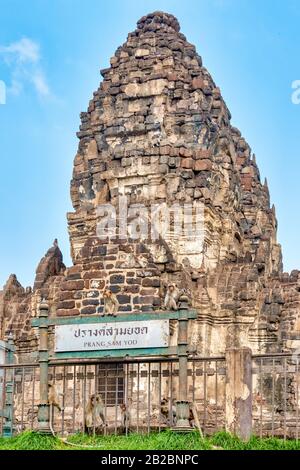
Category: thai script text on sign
[108,336]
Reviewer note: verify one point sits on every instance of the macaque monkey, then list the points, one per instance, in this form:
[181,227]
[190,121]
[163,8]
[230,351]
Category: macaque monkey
[94,414]
[53,397]
[171,298]
[167,412]
[164,408]
[192,418]
[110,303]
[125,416]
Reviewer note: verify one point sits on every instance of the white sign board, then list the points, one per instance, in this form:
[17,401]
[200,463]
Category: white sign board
[108,336]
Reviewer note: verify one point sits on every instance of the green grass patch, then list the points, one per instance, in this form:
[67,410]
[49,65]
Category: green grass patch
[165,440]
[228,442]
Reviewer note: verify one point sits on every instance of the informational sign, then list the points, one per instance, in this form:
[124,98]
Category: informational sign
[114,335]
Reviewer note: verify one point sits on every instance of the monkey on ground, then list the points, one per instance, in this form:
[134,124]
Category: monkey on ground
[94,414]
[171,297]
[110,303]
[167,412]
[53,397]
[125,416]
[191,418]
[164,408]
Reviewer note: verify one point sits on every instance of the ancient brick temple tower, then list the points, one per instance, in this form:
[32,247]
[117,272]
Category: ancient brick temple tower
[158,130]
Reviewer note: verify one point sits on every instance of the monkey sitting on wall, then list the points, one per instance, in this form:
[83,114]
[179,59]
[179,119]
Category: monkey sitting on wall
[111,304]
[171,297]
[94,414]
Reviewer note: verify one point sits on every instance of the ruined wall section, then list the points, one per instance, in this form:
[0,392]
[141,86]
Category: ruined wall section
[15,314]
[19,305]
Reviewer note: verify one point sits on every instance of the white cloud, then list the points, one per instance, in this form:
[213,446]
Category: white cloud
[24,61]
[24,50]
[40,83]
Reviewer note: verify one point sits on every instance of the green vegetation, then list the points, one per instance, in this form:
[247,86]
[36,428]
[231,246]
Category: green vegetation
[164,441]
[228,442]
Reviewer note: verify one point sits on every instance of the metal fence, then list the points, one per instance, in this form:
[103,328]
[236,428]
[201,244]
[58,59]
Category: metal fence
[137,395]
[276,399]
[140,395]
[19,397]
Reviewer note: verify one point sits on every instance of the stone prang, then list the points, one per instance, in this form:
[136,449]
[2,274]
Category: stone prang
[157,131]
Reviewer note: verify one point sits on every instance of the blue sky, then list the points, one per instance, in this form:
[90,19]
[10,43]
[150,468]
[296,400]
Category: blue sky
[51,52]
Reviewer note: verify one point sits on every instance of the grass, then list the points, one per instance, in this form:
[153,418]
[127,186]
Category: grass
[166,440]
[229,442]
